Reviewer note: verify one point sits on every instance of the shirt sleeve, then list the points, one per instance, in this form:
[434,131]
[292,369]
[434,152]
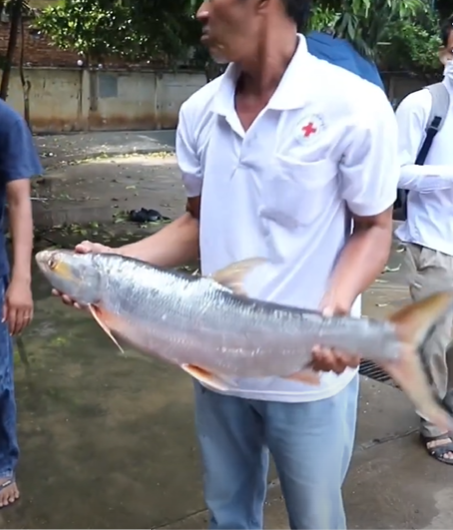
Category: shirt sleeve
[187,155]
[412,115]
[370,167]
[18,156]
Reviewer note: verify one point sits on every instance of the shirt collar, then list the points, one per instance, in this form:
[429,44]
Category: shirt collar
[290,93]
[448,85]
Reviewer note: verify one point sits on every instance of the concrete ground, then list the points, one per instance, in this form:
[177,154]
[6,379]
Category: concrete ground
[67,148]
[105,189]
[108,440]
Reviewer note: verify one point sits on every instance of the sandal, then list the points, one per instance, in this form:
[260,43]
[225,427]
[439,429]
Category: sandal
[439,451]
[8,483]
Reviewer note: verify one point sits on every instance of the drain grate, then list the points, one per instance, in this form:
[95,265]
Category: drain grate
[371,370]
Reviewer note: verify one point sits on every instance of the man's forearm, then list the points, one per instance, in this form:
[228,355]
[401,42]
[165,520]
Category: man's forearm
[362,260]
[175,245]
[21,226]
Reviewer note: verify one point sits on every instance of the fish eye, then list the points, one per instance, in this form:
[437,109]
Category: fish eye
[52,264]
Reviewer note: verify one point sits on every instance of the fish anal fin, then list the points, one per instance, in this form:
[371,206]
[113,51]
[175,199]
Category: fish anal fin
[308,377]
[204,376]
[233,276]
[101,320]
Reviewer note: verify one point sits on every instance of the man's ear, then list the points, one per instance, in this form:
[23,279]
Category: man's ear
[262,4]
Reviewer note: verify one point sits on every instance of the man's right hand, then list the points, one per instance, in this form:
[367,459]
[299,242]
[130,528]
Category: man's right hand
[83,248]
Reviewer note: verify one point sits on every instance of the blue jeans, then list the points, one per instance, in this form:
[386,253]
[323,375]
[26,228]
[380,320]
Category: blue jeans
[311,444]
[9,449]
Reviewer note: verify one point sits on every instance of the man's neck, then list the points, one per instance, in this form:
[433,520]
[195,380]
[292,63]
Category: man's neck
[263,73]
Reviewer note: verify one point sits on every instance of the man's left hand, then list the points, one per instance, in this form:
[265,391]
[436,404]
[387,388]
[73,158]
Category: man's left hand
[330,359]
[18,306]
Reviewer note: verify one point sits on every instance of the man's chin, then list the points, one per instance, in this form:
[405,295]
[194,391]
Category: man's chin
[217,57]
[219,60]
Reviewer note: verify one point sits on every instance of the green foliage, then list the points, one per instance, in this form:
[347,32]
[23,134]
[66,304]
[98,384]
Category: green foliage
[323,19]
[138,29]
[91,27]
[402,33]
[413,45]
[366,24]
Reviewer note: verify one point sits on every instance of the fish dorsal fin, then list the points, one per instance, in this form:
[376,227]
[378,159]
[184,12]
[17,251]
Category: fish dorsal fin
[233,276]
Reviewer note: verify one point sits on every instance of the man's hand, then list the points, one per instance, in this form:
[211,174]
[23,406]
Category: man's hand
[18,306]
[329,359]
[83,248]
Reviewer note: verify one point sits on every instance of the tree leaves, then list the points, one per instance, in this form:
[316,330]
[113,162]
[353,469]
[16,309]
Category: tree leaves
[167,29]
[136,29]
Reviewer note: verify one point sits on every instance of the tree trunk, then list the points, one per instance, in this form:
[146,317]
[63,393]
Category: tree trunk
[16,13]
[26,85]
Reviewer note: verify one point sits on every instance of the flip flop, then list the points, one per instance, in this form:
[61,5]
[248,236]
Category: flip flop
[8,482]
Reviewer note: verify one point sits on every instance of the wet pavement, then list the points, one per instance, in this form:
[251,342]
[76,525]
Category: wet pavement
[68,148]
[108,440]
[105,189]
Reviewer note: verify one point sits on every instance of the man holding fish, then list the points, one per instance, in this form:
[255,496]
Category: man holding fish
[291,159]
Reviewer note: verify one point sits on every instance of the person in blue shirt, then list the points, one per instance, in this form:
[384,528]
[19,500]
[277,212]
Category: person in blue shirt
[19,162]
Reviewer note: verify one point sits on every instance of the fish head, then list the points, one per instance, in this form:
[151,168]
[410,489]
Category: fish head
[73,274]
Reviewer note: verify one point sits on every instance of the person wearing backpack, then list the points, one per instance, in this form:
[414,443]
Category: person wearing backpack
[425,120]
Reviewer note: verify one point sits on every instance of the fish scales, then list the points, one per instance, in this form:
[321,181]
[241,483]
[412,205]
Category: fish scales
[213,331]
[216,329]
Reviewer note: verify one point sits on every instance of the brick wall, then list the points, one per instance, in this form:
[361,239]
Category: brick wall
[38,50]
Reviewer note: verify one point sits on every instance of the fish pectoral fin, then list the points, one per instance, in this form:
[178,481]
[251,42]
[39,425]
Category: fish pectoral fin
[204,376]
[233,276]
[309,377]
[97,315]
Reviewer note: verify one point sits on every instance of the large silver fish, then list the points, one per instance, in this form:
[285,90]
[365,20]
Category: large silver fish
[213,331]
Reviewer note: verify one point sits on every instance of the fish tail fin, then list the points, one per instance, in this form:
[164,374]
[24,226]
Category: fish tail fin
[413,324]
[415,321]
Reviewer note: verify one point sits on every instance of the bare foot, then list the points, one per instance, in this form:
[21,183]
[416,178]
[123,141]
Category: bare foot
[9,492]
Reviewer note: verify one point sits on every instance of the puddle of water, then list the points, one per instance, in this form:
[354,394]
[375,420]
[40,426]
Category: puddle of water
[107,441]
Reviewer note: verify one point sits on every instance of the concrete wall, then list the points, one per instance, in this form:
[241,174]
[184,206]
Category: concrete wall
[63,100]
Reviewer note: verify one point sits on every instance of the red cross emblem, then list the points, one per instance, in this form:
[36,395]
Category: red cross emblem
[309,129]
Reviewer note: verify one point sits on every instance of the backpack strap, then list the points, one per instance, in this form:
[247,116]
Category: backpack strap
[436,120]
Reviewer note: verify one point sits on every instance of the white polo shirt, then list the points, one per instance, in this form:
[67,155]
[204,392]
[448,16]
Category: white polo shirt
[430,200]
[326,142]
